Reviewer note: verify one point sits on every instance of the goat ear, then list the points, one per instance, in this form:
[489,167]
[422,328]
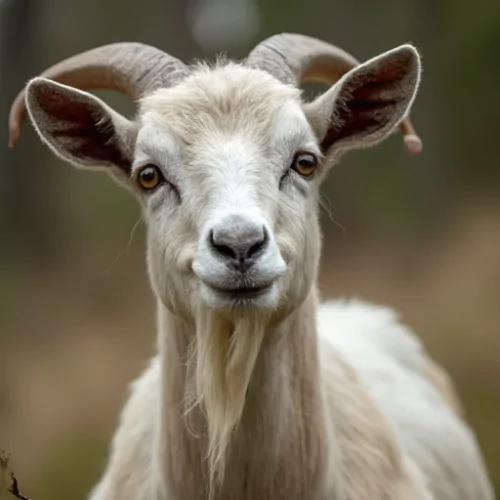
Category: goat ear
[366,105]
[80,128]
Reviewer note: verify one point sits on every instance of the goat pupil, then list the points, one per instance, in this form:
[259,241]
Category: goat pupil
[306,161]
[148,175]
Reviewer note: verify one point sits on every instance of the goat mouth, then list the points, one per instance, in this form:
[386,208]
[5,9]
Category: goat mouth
[238,293]
[240,296]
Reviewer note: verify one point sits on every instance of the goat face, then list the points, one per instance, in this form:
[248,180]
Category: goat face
[227,164]
[234,220]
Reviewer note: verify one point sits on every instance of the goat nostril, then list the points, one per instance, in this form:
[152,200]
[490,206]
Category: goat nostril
[257,246]
[222,248]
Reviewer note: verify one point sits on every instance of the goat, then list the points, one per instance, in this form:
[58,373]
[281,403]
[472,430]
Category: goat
[257,392]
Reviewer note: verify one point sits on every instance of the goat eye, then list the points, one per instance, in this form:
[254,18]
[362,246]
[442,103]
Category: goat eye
[150,177]
[304,164]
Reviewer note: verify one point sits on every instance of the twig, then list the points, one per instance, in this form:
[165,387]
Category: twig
[14,489]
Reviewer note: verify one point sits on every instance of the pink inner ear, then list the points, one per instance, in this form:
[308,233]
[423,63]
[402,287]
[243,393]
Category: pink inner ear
[81,128]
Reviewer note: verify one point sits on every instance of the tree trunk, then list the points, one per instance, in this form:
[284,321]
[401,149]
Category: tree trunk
[26,208]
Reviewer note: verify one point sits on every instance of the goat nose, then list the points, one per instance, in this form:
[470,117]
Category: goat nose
[238,241]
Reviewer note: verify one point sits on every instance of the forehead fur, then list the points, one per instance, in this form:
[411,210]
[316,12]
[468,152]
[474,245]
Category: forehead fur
[223,98]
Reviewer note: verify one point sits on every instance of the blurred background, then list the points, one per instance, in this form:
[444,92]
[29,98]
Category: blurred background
[421,234]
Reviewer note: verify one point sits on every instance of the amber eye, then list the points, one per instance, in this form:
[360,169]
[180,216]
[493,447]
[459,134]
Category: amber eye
[149,177]
[304,164]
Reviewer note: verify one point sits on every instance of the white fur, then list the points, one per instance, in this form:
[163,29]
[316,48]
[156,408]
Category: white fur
[245,400]
[390,361]
[438,451]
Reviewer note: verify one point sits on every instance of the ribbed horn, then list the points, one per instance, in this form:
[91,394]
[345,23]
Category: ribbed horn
[295,59]
[134,69]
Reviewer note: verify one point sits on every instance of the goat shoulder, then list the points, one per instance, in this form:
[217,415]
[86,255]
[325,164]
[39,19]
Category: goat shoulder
[413,395]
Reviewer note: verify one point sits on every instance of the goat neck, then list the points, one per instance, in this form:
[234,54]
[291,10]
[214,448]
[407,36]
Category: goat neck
[279,444]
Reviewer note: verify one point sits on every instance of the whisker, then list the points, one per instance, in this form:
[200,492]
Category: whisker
[325,204]
[130,240]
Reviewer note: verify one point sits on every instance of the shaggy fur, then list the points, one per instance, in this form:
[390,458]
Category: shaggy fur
[271,398]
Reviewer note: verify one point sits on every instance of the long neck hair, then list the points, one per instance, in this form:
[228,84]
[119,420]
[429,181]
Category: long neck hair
[222,358]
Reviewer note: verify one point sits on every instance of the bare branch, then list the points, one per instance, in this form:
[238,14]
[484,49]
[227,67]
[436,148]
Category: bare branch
[14,487]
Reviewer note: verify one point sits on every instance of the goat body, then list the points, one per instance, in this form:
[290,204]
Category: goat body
[257,392]
[350,414]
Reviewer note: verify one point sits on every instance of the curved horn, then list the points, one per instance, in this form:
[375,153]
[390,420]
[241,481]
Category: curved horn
[295,59]
[131,68]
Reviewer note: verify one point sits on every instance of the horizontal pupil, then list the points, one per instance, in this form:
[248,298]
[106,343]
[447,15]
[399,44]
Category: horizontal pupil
[306,161]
